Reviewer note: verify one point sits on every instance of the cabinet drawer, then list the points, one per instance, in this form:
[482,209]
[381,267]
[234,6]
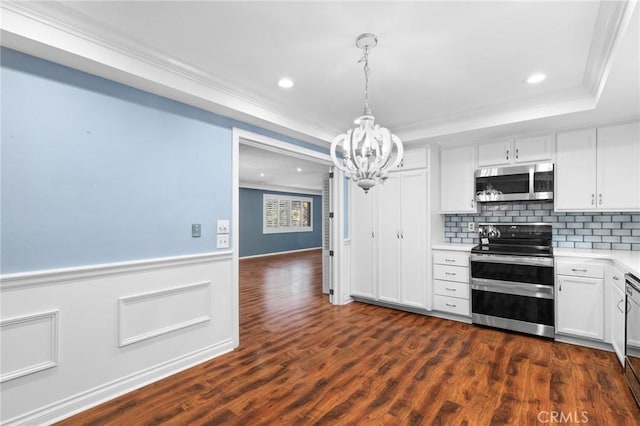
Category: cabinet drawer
[452,305]
[451,258]
[451,289]
[576,269]
[451,273]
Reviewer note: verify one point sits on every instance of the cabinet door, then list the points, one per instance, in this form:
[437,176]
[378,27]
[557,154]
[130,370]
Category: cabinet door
[388,239]
[457,182]
[580,307]
[619,167]
[617,321]
[575,171]
[495,153]
[413,238]
[362,241]
[533,149]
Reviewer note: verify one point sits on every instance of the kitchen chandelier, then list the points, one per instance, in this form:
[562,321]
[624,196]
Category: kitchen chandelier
[368,149]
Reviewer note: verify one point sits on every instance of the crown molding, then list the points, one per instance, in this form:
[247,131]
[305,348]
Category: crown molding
[54,32]
[611,24]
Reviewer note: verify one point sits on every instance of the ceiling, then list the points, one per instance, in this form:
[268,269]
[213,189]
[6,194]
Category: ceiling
[445,72]
[264,169]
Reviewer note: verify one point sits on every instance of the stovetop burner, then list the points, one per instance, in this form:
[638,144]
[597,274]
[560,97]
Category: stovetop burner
[515,239]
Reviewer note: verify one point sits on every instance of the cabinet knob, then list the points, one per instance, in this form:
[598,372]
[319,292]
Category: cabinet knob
[517,153]
[507,154]
[593,199]
[616,278]
[471,203]
[600,198]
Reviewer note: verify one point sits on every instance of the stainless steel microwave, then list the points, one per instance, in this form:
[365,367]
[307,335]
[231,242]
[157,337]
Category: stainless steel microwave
[515,183]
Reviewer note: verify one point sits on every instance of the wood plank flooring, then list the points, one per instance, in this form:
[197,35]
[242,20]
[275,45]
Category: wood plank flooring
[303,361]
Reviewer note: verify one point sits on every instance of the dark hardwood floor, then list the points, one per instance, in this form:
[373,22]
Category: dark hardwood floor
[304,361]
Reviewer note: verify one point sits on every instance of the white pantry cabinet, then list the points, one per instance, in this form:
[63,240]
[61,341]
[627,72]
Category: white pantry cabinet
[362,235]
[597,169]
[522,150]
[580,299]
[401,247]
[457,181]
[389,230]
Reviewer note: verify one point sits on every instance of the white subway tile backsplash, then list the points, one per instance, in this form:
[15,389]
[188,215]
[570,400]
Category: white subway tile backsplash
[607,231]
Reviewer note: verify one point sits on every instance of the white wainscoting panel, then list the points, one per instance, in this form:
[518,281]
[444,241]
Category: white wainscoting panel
[119,327]
[29,344]
[149,315]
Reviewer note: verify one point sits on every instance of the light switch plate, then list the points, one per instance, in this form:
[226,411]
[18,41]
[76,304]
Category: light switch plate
[196,230]
[223,226]
[223,241]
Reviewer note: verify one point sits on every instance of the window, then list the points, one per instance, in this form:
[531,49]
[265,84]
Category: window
[283,213]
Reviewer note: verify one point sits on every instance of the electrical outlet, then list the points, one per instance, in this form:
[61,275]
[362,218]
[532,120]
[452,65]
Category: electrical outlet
[223,241]
[471,226]
[196,230]
[223,226]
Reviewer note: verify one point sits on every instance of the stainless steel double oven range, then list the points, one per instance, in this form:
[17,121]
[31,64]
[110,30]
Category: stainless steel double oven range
[512,279]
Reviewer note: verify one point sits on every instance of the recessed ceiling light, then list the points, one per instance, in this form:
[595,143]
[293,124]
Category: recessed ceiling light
[261,174]
[285,83]
[299,169]
[536,78]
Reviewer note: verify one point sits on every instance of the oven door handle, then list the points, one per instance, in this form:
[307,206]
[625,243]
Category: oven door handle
[509,287]
[513,260]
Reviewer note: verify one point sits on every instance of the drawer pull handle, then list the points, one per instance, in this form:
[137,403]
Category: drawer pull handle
[578,270]
[450,305]
[616,278]
[449,273]
[450,289]
[619,308]
[449,260]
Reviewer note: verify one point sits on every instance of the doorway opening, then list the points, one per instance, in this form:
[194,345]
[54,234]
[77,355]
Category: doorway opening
[275,174]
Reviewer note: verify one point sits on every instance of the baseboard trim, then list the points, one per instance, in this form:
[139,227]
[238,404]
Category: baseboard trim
[280,252]
[75,404]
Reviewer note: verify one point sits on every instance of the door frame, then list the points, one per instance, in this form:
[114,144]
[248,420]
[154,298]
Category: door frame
[337,202]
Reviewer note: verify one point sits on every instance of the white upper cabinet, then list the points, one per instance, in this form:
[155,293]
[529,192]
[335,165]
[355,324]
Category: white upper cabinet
[457,182]
[495,153]
[599,169]
[527,150]
[575,170]
[522,150]
[619,167]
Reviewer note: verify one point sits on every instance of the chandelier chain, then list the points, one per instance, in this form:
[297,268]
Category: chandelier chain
[367,73]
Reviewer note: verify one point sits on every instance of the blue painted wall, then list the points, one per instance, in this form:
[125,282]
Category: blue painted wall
[93,171]
[254,242]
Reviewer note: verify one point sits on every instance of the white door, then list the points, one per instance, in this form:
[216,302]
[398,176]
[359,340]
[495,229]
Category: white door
[618,167]
[575,171]
[388,242]
[413,236]
[362,235]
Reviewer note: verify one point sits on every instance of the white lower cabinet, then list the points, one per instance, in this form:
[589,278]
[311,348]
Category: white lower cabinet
[451,282]
[580,299]
[614,281]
